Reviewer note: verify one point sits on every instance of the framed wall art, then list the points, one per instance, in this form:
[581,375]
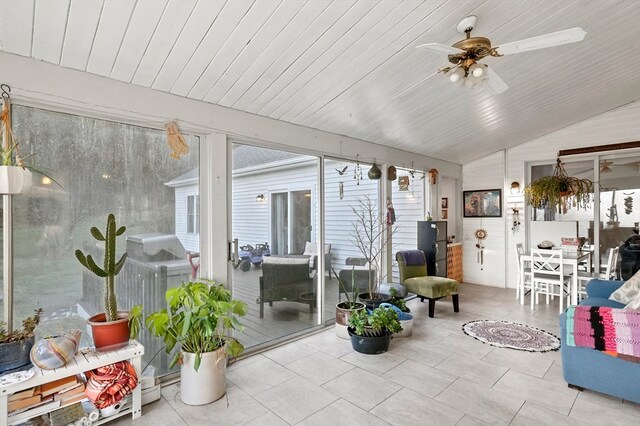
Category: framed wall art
[483,203]
[444,203]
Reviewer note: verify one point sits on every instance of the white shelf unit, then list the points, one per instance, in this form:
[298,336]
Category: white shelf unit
[85,360]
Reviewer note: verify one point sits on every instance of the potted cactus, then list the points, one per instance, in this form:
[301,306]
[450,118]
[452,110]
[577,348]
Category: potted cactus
[111,327]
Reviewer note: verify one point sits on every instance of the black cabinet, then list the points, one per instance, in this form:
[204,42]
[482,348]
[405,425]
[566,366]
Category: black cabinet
[432,240]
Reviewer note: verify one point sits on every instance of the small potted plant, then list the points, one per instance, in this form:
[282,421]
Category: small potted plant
[197,316]
[559,192]
[370,331]
[111,328]
[345,309]
[404,313]
[15,345]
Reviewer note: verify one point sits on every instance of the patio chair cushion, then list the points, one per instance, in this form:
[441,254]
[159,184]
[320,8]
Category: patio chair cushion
[286,260]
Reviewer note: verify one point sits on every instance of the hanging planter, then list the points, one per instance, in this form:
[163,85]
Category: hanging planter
[14,180]
[559,192]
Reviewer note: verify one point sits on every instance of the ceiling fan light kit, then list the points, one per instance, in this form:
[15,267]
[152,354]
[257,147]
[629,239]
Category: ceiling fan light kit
[465,54]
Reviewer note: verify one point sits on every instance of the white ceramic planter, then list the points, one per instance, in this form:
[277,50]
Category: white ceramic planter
[207,384]
[14,180]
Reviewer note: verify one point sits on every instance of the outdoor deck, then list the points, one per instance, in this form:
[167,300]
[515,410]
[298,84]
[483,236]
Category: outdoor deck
[281,319]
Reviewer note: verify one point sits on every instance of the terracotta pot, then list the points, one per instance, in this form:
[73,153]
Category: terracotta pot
[110,335]
[343,313]
[209,383]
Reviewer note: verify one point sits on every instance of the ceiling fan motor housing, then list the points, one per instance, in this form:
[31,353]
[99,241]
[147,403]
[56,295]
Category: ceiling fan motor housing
[475,48]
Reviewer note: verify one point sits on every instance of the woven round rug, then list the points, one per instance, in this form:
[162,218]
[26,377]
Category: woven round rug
[506,334]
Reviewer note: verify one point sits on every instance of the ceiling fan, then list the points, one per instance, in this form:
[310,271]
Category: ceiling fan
[466,54]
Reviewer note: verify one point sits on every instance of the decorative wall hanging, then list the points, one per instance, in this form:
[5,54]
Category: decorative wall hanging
[481,235]
[343,171]
[483,203]
[445,214]
[403,183]
[176,141]
[374,172]
[559,192]
[391,213]
[628,203]
[516,219]
[444,203]
[357,171]
[341,190]
[433,176]
[613,212]
[391,173]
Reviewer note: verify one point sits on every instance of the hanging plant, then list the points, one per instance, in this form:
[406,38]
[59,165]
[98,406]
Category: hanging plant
[559,192]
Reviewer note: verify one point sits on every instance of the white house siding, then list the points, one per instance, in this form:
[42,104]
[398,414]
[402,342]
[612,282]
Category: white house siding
[190,242]
[485,173]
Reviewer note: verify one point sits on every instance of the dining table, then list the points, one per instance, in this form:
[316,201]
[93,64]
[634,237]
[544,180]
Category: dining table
[569,258]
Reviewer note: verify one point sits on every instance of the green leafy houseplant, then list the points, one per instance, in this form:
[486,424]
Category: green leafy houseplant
[379,322]
[15,345]
[27,330]
[398,301]
[197,316]
[559,192]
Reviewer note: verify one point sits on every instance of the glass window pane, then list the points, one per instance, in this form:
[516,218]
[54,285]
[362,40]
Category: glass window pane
[103,167]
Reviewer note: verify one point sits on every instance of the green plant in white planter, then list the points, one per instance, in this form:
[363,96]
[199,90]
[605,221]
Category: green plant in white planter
[197,318]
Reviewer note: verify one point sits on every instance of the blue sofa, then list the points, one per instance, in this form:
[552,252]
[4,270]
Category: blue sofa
[585,368]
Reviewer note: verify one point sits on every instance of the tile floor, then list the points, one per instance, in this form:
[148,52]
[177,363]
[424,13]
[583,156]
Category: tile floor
[439,376]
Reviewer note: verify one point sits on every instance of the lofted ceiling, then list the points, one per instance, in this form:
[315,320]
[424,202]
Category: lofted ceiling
[341,65]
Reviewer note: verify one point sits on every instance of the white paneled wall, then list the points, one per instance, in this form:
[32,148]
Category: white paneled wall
[616,126]
[485,173]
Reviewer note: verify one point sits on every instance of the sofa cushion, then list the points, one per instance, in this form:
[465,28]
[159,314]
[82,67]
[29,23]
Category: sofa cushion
[634,304]
[600,301]
[628,291]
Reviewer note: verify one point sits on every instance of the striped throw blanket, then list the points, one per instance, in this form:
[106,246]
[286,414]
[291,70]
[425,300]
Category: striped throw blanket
[109,384]
[613,331]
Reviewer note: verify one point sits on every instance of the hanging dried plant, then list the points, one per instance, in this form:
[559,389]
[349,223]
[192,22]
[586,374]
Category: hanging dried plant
[559,192]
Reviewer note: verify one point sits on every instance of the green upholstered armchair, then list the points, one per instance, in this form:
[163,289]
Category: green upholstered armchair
[413,276]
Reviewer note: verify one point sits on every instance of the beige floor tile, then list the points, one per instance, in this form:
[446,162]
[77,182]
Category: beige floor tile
[362,388]
[532,414]
[296,399]
[466,345]
[421,378]
[342,412]
[488,405]
[407,407]
[268,419]
[554,396]
[320,367]
[378,364]
[259,376]
[606,401]
[473,369]
[593,413]
[236,408]
[554,374]
[420,351]
[328,342]
[158,412]
[468,420]
[533,363]
[286,354]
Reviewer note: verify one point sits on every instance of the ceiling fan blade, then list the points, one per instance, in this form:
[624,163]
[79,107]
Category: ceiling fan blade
[449,50]
[572,35]
[414,85]
[495,84]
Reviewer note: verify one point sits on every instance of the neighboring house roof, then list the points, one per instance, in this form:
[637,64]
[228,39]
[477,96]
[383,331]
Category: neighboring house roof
[247,156]
[188,178]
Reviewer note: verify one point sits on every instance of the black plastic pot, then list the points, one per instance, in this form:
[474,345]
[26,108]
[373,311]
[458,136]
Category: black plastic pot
[15,354]
[378,298]
[370,345]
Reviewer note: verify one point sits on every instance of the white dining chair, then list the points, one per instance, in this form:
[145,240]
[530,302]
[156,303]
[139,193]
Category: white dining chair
[610,272]
[524,273]
[547,276]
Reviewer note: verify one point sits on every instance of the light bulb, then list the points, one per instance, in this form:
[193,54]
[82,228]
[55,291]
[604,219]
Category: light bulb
[477,70]
[456,75]
[468,83]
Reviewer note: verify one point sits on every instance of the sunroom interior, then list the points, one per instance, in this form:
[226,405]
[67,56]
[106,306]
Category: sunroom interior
[286,108]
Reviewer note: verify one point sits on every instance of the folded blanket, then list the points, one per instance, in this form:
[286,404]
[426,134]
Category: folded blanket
[109,384]
[610,330]
[413,257]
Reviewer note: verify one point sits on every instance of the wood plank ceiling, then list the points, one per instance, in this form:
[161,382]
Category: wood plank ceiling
[340,65]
